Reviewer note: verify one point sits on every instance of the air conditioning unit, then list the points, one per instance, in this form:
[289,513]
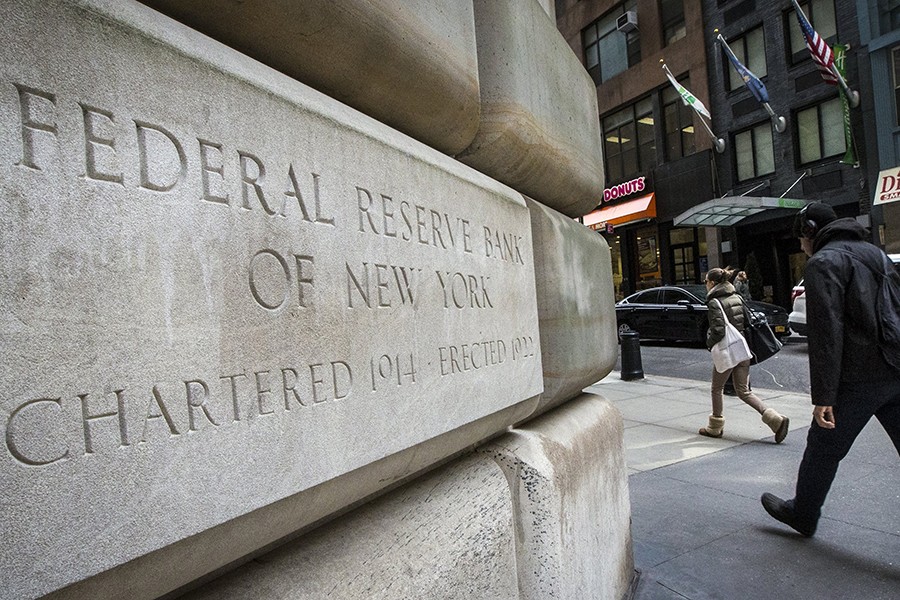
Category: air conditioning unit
[627,22]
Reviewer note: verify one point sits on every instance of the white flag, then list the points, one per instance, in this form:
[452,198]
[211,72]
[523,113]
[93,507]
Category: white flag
[689,99]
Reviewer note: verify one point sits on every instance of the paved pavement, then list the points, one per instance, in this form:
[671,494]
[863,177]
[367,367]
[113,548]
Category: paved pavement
[698,528]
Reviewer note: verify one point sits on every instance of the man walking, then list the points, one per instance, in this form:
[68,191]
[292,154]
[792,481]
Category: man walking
[851,378]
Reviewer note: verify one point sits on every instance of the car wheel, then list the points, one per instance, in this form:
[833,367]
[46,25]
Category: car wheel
[624,328]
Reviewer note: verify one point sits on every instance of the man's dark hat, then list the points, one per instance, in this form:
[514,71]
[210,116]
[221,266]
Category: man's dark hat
[811,218]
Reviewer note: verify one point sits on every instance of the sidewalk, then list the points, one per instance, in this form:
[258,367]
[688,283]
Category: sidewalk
[698,528]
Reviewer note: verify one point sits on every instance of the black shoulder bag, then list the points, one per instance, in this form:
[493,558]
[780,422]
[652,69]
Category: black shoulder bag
[763,343]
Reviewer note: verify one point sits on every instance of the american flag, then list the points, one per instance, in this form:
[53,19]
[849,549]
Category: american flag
[818,48]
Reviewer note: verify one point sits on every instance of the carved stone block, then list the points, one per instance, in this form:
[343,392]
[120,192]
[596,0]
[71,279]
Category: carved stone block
[409,63]
[576,305]
[539,130]
[230,306]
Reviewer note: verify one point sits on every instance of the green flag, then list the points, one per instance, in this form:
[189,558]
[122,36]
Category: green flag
[840,54]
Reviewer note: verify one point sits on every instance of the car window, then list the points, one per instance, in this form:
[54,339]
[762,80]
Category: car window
[648,297]
[673,296]
[697,290]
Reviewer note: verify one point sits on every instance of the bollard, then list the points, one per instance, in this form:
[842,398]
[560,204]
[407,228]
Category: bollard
[631,356]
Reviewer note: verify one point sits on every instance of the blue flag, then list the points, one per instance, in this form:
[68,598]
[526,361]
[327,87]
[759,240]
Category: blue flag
[753,83]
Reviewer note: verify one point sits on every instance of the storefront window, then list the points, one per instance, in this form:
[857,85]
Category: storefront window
[682,247]
[647,246]
[615,251]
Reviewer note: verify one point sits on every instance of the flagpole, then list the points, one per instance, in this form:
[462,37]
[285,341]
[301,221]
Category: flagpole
[852,96]
[719,143]
[778,122]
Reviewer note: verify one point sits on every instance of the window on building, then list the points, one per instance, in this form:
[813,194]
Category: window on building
[895,55]
[753,152]
[751,51]
[608,51]
[678,120]
[888,16]
[820,131]
[821,15]
[671,13]
[629,144]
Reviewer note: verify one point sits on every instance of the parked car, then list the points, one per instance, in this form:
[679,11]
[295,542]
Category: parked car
[797,318]
[680,313]
[895,258]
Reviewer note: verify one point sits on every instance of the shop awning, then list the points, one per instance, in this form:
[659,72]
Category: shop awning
[725,212]
[624,213]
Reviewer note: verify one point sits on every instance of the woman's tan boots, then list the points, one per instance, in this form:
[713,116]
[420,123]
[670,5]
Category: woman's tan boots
[777,423]
[714,428]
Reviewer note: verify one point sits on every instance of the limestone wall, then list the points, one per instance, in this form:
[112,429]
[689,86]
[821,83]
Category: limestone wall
[234,307]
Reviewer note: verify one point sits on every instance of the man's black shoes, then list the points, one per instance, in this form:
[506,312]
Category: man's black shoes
[783,510]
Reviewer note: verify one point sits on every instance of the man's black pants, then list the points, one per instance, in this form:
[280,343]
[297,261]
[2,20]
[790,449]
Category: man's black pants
[825,448]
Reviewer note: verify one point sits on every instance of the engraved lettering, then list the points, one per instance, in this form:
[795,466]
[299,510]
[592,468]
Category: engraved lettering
[424,225]
[387,210]
[341,381]
[206,167]
[390,367]
[28,105]
[93,119]
[421,225]
[236,414]
[192,392]
[294,192]
[381,284]
[465,291]
[302,279]
[254,277]
[163,413]
[503,246]
[362,289]
[316,381]
[155,142]
[364,203]
[262,391]
[461,358]
[11,429]
[290,388]
[436,236]
[87,418]
[404,277]
[404,283]
[523,347]
[404,212]
[253,181]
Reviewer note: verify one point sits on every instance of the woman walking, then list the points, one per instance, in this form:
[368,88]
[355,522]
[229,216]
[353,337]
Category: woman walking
[724,303]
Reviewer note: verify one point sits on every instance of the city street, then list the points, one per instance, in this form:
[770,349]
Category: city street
[786,371]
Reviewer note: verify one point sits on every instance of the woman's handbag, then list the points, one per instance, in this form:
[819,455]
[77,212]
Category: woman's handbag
[732,349]
[762,342]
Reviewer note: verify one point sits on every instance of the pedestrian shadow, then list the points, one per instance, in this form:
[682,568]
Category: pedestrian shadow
[825,552]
